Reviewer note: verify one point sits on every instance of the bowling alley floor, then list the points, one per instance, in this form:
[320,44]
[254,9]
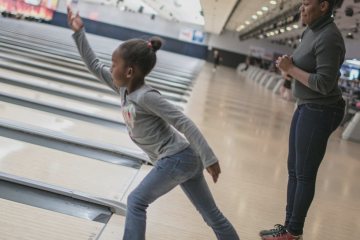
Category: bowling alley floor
[247,126]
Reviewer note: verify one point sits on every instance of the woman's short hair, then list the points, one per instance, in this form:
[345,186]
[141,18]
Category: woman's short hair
[331,4]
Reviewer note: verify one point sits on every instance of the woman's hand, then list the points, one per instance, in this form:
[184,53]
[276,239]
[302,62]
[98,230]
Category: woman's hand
[284,63]
[285,75]
[74,21]
[214,170]
[287,67]
[285,93]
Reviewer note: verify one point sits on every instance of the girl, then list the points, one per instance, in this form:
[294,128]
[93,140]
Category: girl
[148,117]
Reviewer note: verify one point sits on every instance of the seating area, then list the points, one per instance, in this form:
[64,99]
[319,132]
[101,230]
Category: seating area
[273,82]
[269,80]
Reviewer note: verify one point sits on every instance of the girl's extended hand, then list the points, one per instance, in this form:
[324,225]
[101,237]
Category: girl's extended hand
[74,21]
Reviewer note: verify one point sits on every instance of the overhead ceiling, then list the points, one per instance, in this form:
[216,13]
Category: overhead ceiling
[248,8]
[217,13]
[178,10]
[250,13]
[231,15]
[347,25]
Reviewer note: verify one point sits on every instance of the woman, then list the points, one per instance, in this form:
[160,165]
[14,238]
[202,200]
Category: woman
[315,67]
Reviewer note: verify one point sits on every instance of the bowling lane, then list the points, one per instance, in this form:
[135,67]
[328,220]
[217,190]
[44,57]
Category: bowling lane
[83,131]
[66,170]
[23,222]
[66,88]
[61,102]
[104,94]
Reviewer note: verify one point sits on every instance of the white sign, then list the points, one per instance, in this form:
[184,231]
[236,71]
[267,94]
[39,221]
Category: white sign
[192,35]
[33,2]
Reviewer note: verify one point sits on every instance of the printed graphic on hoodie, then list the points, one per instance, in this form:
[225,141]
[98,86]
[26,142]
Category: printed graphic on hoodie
[129,114]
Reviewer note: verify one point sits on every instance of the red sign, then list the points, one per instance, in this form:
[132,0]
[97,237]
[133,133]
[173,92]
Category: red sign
[41,9]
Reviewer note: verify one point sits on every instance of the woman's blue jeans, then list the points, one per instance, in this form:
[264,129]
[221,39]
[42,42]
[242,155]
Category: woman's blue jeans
[311,127]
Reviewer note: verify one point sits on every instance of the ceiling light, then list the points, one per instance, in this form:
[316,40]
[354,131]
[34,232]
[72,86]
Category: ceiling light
[254,17]
[350,35]
[273,2]
[240,28]
[259,13]
[247,22]
[282,30]
[288,28]
[265,9]
[295,26]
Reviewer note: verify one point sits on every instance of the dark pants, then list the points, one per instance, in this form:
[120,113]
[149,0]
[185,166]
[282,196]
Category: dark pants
[310,130]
